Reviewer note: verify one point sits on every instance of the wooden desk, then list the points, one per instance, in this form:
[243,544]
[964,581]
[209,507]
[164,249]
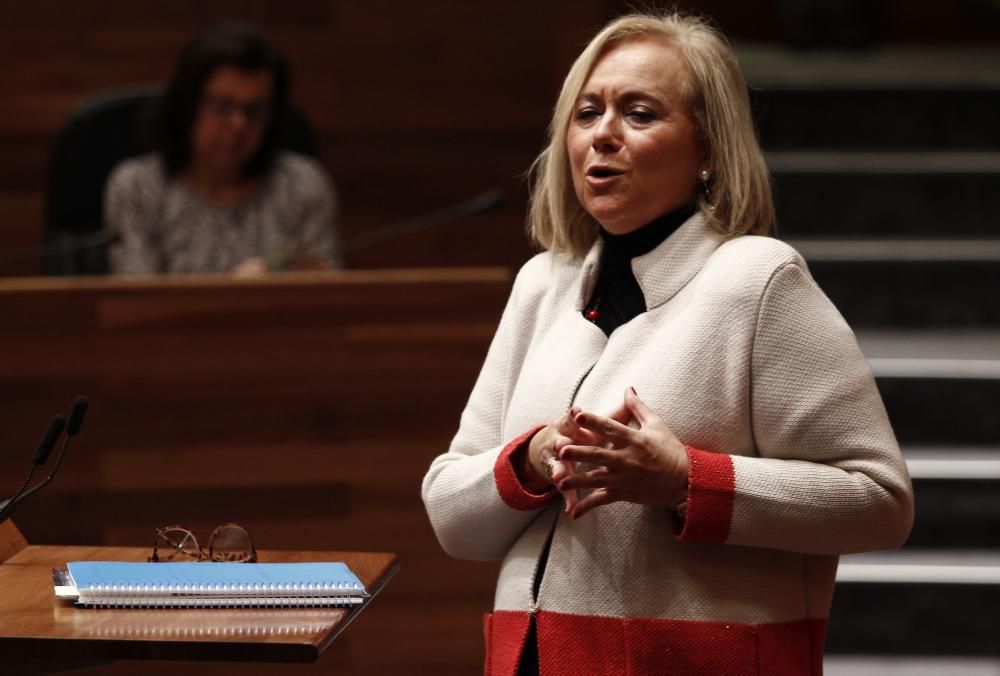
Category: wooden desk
[34,625]
[306,407]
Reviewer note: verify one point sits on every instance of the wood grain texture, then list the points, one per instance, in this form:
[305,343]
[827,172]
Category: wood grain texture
[11,540]
[360,70]
[417,104]
[36,625]
[306,407]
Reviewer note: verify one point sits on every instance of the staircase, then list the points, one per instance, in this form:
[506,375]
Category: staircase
[887,176]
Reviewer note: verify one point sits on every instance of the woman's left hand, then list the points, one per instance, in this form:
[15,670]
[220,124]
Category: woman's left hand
[647,466]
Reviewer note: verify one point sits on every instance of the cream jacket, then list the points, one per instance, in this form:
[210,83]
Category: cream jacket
[793,462]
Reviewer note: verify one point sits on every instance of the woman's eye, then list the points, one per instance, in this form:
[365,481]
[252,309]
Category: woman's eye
[640,115]
[585,114]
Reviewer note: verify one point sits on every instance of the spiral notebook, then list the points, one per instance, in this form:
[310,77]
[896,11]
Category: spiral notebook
[209,584]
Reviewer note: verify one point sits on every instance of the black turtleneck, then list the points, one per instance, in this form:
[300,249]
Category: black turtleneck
[617,298]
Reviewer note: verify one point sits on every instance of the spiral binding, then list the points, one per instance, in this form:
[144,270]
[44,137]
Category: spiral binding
[264,626]
[325,594]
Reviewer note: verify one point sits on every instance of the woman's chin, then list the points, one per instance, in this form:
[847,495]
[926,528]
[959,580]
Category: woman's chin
[617,224]
[615,214]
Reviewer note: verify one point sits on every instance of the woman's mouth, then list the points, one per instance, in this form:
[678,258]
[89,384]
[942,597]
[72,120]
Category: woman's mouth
[601,175]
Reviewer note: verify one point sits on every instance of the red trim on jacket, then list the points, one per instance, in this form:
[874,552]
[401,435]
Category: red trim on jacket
[505,634]
[610,646]
[512,491]
[711,487]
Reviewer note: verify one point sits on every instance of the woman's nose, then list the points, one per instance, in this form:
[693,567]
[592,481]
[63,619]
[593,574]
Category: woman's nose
[607,132]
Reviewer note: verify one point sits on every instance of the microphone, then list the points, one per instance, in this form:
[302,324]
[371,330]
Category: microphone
[41,454]
[44,449]
[76,414]
[482,203]
[48,441]
[65,245]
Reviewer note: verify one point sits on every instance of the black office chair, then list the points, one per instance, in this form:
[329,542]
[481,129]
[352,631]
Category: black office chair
[101,132]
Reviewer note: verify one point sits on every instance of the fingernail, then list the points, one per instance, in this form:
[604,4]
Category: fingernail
[633,391]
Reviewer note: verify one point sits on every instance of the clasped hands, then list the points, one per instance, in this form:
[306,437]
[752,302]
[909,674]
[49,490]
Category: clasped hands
[646,465]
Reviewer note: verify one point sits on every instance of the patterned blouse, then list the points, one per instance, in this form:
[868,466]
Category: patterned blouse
[165,227]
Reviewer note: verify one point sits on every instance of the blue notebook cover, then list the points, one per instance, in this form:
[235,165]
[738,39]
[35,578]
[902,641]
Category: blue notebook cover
[214,583]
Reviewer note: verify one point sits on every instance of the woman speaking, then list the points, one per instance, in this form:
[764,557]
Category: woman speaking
[674,434]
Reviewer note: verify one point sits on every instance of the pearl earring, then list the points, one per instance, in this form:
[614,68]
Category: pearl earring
[704,175]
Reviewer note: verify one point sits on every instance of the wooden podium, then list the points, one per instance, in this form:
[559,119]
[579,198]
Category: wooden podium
[306,407]
[42,631]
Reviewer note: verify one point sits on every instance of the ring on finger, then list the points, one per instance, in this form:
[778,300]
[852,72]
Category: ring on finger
[550,465]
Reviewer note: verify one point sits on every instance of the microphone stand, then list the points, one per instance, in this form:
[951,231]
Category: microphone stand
[45,446]
[67,245]
[481,203]
[42,451]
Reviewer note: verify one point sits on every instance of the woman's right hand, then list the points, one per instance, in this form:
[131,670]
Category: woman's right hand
[540,467]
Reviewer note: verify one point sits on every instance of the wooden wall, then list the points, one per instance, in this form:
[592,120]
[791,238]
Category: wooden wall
[306,408]
[419,104]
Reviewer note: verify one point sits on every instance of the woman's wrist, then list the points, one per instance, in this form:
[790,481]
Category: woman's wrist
[527,473]
[679,494]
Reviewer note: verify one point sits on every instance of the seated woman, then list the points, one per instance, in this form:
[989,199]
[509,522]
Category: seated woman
[674,434]
[218,194]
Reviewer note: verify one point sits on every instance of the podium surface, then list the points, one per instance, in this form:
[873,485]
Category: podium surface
[35,625]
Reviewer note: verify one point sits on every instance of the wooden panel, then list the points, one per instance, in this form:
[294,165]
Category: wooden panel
[35,628]
[11,540]
[21,216]
[23,167]
[22,219]
[88,14]
[306,407]
[418,104]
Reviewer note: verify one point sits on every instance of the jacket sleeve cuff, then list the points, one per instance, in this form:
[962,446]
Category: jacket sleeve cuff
[512,491]
[709,506]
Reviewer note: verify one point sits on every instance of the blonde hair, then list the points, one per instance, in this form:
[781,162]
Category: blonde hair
[739,189]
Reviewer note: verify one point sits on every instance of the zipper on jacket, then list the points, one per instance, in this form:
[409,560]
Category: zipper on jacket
[579,384]
[540,565]
[543,558]
[531,634]
[528,663]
